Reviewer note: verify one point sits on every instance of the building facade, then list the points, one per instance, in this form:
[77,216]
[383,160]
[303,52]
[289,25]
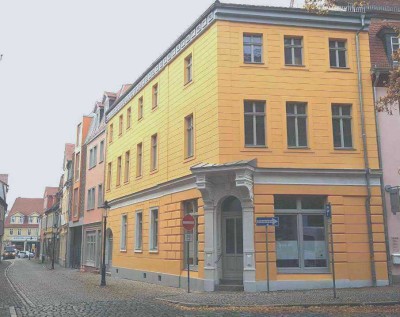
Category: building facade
[21,228]
[48,223]
[3,205]
[253,112]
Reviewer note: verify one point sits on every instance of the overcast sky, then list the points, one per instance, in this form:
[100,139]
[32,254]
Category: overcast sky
[58,59]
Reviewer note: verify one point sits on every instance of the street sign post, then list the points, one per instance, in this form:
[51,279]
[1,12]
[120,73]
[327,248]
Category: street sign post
[267,222]
[188,223]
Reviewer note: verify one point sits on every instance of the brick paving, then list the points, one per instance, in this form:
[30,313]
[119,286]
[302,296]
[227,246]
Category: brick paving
[65,292]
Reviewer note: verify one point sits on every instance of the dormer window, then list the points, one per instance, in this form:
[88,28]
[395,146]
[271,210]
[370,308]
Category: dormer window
[101,114]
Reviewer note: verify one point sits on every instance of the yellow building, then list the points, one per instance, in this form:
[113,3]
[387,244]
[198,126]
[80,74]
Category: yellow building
[253,112]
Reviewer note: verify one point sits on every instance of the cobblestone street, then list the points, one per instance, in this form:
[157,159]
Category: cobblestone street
[37,291]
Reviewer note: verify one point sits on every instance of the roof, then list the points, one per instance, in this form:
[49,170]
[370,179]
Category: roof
[238,13]
[379,58]
[4,178]
[25,206]
[50,191]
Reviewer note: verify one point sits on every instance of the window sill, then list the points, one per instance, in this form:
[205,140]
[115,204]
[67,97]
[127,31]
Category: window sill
[122,251]
[256,149]
[138,251]
[296,67]
[303,271]
[299,150]
[189,159]
[187,84]
[153,171]
[153,251]
[154,108]
[344,151]
[126,182]
[140,119]
[101,161]
[252,65]
[139,177]
[340,70]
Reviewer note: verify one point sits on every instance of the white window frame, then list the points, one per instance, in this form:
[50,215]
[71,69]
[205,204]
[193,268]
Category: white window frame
[189,136]
[139,230]
[296,116]
[154,152]
[188,68]
[343,117]
[101,158]
[100,194]
[253,45]
[292,47]
[254,114]
[124,227]
[336,51]
[19,232]
[392,44]
[154,230]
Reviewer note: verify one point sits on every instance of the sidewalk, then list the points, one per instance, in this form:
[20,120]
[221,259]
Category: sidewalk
[7,295]
[387,295]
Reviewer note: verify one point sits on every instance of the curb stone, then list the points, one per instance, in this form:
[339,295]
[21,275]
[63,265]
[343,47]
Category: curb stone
[321,304]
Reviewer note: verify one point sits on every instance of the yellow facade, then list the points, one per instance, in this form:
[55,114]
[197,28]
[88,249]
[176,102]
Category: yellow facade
[221,83]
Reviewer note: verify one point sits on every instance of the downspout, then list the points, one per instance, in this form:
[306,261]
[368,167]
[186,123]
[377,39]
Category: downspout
[366,160]
[383,193]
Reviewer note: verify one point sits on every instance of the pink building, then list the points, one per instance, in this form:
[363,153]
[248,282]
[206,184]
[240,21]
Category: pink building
[94,185]
[384,41]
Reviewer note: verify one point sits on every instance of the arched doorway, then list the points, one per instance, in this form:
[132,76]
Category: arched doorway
[109,247]
[232,240]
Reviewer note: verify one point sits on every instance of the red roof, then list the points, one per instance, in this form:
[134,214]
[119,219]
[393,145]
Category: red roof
[69,151]
[26,207]
[4,178]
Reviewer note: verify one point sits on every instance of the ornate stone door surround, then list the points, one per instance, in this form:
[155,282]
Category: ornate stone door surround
[216,182]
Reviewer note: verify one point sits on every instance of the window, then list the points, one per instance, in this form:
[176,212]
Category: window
[395,43]
[11,232]
[13,219]
[19,232]
[252,48]
[101,158]
[301,244]
[110,133]
[188,69]
[128,118]
[21,219]
[127,166]
[29,232]
[124,220]
[91,198]
[77,164]
[296,117]
[100,195]
[254,123]
[155,96]
[293,50]
[154,229]
[139,231]
[90,158]
[341,122]
[95,155]
[139,159]
[189,136]
[30,220]
[76,202]
[121,124]
[154,145]
[140,108]
[119,166]
[190,208]
[337,53]
[109,174]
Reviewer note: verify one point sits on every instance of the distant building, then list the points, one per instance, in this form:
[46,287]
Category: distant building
[48,220]
[3,205]
[22,224]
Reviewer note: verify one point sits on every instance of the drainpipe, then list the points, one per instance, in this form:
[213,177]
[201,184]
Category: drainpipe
[365,150]
[383,193]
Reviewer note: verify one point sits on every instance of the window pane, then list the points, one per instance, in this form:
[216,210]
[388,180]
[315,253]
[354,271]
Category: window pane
[287,249]
[337,142]
[298,60]
[246,38]
[247,53]
[230,236]
[239,236]
[346,110]
[347,133]
[257,54]
[297,41]
[284,202]
[260,130]
[342,58]
[257,39]
[332,43]
[335,110]
[341,44]
[248,106]
[301,109]
[332,58]
[314,244]
[260,107]
[302,131]
[248,128]
[288,56]
[291,131]
[288,41]
[290,108]
[313,202]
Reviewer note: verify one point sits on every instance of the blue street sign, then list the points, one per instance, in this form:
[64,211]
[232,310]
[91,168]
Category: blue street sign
[328,210]
[267,221]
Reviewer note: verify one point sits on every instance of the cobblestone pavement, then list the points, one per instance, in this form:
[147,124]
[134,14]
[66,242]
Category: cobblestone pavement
[38,291]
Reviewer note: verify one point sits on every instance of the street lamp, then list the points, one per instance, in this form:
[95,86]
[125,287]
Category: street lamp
[55,226]
[105,208]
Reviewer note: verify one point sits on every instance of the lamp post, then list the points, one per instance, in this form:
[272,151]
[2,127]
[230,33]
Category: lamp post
[103,266]
[55,226]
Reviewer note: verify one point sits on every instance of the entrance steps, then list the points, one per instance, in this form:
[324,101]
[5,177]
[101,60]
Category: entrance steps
[230,286]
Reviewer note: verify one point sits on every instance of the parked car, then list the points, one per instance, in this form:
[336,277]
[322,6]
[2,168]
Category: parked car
[25,254]
[9,253]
